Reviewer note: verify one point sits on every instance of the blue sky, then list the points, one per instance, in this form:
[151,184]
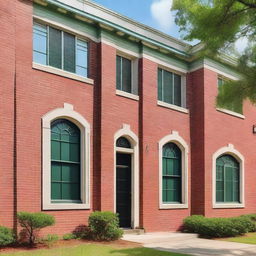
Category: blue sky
[154,13]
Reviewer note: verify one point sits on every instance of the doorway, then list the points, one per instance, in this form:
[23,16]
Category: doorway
[124,189]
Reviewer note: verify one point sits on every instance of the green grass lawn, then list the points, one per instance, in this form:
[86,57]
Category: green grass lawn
[249,238]
[94,250]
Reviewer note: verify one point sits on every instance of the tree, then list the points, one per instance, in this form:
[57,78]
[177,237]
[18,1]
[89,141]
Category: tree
[218,24]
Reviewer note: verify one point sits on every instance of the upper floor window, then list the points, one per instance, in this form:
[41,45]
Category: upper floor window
[170,89]
[59,49]
[235,106]
[123,74]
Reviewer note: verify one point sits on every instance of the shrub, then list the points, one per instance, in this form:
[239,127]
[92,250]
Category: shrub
[6,236]
[50,239]
[33,222]
[82,232]
[105,226]
[69,236]
[192,223]
[218,227]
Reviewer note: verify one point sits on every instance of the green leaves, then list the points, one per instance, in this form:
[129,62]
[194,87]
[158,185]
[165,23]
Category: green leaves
[218,24]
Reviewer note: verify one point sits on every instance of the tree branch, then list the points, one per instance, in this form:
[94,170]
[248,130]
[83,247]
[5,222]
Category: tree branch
[251,5]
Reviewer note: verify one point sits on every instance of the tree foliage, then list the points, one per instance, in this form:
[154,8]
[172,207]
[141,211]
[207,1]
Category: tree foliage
[218,24]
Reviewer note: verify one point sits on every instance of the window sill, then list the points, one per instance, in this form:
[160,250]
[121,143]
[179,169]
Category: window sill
[127,95]
[173,107]
[227,206]
[63,73]
[229,112]
[173,206]
[66,206]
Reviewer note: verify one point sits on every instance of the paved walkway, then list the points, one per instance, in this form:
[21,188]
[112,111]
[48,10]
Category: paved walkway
[191,244]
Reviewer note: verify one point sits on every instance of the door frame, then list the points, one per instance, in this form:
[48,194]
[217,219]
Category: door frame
[134,152]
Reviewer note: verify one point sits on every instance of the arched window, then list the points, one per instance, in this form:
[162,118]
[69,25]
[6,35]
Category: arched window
[227,179]
[65,161]
[122,142]
[171,174]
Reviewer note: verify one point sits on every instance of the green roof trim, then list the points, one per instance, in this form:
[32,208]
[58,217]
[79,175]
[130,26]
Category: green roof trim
[119,28]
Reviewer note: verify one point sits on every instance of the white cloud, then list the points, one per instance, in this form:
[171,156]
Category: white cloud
[160,11]
[241,44]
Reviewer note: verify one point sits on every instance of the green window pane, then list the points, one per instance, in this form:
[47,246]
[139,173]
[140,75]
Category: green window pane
[55,48]
[126,75]
[70,191]
[71,173]
[56,172]
[56,191]
[55,150]
[168,87]
[177,90]
[118,72]
[160,84]
[69,52]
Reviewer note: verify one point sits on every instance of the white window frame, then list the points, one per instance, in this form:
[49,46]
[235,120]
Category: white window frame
[174,137]
[134,76]
[183,107]
[228,150]
[67,112]
[61,71]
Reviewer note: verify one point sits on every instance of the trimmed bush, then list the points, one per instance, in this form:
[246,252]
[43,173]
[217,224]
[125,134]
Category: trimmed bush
[69,236]
[6,236]
[33,222]
[104,226]
[218,227]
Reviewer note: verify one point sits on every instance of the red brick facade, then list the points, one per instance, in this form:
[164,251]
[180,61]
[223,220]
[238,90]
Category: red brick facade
[27,94]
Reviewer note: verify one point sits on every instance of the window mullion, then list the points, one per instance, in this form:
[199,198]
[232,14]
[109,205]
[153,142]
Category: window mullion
[62,50]
[48,42]
[162,84]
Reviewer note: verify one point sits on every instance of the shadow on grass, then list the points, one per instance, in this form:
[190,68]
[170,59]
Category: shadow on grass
[143,252]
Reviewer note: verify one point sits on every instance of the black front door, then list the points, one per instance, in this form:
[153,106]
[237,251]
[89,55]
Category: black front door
[123,189]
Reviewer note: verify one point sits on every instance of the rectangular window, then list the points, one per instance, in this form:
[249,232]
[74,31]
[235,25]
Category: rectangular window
[123,74]
[40,44]
[235,106]
[170,88]
[59,49]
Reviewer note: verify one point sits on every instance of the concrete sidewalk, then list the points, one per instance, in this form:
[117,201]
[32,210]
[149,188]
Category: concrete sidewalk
[191,244]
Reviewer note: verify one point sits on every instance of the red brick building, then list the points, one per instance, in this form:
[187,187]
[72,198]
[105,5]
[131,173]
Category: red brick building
[99,112]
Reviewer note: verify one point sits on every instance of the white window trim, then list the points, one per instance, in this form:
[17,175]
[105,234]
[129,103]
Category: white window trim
[68,113]
[183,146]
[173,107]
[61,72]
[127,95]
[133,138]
[183,91]
[134,71]
[231,113]
[230,150]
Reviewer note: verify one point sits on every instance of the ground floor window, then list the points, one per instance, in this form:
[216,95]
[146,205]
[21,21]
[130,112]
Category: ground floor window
[172,173]
[65,161]
[227,179]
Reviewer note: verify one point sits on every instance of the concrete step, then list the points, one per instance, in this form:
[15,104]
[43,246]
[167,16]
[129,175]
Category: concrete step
[151,238]
[136,231]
